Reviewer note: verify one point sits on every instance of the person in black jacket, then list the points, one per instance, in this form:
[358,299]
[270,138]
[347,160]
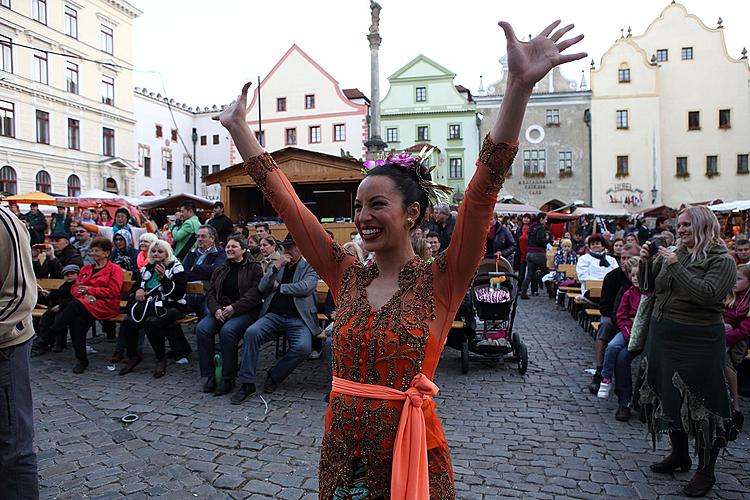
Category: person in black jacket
[34,236]
[56,301]
[536,255]
[37,219]
[200,264]
[222,224]
[503,243]
[233,301]
[156,302]
[60,254]
[613,286]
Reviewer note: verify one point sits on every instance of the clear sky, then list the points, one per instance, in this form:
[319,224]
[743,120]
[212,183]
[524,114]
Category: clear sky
[206,50]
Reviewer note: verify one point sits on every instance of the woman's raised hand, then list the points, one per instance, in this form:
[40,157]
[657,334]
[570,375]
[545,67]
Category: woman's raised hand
[528,62]
[235,113]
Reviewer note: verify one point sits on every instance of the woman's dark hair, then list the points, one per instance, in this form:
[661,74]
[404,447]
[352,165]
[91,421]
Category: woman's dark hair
[594,238]
[242,242]
[102,243]
[407,183]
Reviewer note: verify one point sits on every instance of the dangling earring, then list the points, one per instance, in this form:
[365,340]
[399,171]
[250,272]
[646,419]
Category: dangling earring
[409,222]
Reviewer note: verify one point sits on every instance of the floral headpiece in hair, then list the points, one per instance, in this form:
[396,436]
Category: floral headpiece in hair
[436,193]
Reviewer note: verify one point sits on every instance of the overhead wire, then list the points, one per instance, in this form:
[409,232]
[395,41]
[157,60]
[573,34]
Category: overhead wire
[127,68]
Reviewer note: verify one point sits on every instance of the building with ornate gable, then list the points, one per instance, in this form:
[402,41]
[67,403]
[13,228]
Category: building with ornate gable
[552,168]
[424,107]
[299,104]
[670,116]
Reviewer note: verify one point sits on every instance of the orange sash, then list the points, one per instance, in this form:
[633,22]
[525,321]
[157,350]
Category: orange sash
[409,473]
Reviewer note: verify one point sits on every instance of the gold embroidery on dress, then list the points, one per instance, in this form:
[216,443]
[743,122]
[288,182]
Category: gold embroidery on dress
[497,158]
[391,355]
[258,168]
[338,253]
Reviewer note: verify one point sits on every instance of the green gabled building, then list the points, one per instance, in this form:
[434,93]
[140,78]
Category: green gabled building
[425,107]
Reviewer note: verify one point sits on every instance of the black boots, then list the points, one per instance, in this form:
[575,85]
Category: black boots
[704,478]
[678,458]
[596,380]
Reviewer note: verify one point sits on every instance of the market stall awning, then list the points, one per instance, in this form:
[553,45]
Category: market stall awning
[174,201]
[739,205]
[605,212]
[514,209]
[99,196]
[32,197]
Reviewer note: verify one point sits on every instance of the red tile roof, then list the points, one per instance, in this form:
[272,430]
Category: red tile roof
[354,94]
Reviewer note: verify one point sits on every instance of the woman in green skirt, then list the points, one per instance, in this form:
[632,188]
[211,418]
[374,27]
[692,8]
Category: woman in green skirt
[685,393]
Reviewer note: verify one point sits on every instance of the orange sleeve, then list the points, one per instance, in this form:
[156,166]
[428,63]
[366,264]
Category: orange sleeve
[326,256]
[454,269]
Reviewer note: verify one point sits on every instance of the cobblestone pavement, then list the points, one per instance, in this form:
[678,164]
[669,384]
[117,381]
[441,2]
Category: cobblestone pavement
[538,436]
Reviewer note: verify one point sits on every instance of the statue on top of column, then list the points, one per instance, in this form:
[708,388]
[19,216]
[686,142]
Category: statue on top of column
[375,10]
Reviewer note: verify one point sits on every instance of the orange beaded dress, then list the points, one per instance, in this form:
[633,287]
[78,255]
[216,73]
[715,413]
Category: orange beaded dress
[390,345]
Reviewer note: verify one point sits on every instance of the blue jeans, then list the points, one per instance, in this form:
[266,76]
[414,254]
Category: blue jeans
[230,332]
[617,360]
[265,330]
[196,303]
[18,467]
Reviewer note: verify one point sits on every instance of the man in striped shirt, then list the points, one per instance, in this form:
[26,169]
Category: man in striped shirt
[18,290]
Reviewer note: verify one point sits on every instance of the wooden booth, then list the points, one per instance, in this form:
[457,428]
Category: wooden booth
[326,184]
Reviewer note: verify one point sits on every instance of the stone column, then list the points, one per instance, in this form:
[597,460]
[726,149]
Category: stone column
[375,144]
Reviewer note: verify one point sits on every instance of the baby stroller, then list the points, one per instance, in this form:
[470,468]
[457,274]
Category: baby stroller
[492,300]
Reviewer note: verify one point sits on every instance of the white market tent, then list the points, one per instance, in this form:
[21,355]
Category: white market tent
[739,205]
[605,212]
[514,209]
[99,196]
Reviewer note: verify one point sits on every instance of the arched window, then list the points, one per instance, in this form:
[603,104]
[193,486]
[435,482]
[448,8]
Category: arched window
[74,185]
[110,185]
[43,182]
[8,183]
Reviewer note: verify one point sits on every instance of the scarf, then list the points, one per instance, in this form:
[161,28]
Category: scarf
[602,257]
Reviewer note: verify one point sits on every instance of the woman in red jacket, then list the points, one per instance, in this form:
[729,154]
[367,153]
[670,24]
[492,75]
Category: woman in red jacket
[96,296]
[737,326]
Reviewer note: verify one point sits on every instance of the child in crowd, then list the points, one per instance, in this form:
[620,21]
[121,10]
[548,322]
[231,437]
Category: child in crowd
[737,326]
[56,301]
[617,358]
[565,255]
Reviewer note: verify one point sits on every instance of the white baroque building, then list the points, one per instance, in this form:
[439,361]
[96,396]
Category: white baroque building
[168,135]
[670,117]
[66,106]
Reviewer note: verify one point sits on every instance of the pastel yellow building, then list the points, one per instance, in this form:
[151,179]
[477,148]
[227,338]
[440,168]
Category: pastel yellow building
[66,101]
[670,117]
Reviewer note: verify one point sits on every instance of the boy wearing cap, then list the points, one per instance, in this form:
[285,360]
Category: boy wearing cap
[56,301]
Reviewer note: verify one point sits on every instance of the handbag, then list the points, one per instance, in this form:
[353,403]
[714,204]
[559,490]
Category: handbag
[641,323]
[152,306]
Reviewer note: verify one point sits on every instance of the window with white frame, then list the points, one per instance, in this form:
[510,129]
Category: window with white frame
[553,117]
[5,3]
[623,75]
[712,165]
[455,168]
[215,168]
[391,134]
[742,166]
[621,119]
[339,132]
[43,182]
[681,166]
[106,39]
[108,141]
[74,185]
[314,134]
[423,133]
[565,162]
[71,77]
[662,55]
[74,134]
[687,53]
[42,127]
[623,166]
[108,90]
[310,101]
[420,94]
[41,72]
[71,21]
[7,119]
[39,11]
[8,180]
[187,166]
[260,136]
[290,137]
[6,54]
[454,131]
[144,151]
[534,161]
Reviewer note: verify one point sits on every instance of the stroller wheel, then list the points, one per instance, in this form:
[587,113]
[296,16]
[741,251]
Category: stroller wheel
[523,359]
[465,356]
